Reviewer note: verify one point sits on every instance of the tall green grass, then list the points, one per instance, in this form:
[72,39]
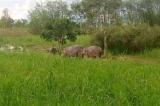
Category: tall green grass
[154,54]
[22,40]
[34,79]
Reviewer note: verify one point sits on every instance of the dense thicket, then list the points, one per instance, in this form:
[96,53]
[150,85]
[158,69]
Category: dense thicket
[128,38]
[127,26]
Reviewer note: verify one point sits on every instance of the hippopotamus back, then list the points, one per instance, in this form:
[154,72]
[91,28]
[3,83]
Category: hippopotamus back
[93,52]
[73,51]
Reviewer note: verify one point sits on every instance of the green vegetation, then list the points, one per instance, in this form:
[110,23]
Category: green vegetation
[128,38]
[60,30]
[32,41]
[34,78]
[154,54]
[108,12]
[22,40]
[29,76]
[6,21]
[42,79]
[122,26]
[44,14]
[51,21]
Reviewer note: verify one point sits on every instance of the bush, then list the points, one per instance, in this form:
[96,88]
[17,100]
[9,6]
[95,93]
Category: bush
[128,38]
[60,30]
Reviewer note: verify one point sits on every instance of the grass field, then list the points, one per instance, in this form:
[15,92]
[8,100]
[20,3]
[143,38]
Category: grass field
[41,79]
[34,42]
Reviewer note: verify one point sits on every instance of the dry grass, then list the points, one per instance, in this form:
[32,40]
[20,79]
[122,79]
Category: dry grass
[14,32]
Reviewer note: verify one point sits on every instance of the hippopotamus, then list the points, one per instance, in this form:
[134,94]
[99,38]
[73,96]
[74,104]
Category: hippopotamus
[93,52]
[73,51]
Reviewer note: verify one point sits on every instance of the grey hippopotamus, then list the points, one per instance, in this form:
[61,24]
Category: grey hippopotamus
[93,52]
[73,51]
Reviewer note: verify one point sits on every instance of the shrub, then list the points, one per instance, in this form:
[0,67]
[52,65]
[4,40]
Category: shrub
[60,30]
[128,38]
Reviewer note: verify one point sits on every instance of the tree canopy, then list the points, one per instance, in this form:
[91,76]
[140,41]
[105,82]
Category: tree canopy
[52,21]
[6,20]
[60,30]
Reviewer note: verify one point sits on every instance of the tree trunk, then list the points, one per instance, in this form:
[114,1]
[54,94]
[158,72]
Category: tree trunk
[105,45]
[60,46]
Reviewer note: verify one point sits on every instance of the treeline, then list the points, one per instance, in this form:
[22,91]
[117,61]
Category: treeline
[117,25]
[97,13]
[102,13]
[6,21]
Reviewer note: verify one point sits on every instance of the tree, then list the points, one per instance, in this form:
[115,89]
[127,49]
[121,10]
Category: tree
[52,21]
[57,9]
[102,13]
[20,23]
[60,30]
[6,21]
[38,17]
[150,11]
[46,12]
[143,11]
[99,13]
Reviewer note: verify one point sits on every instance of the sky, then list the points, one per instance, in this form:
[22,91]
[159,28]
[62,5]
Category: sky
[19,8]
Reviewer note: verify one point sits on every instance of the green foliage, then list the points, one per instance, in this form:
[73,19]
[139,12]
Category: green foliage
[38,18]
[129,39]
[6,21]
[20,23]
[52,22]
[145,11]
[99,13]
[59,30]
[46,12]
